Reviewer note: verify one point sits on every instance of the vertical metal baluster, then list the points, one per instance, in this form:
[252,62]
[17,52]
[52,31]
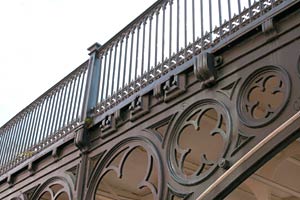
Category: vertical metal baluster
[36,126]
[19,135]
[149,48]
[14,143]
[11,148]
[28,130]
[61,111]
[185,30]
[220,19]
[9,138]
[64,121]
[163,38]
[2,134]
[36,121]
[229,14]
[119,68]
[137,52]
[240,11]
[11,144]
[63,106]
[100,57]
[70,120]
[55,107]
[47,116]
[103,78]
[59,107]
[125,61]
[250,10]
[20,132]
[18,138]
[31,133]
[3,146]
[50,114]
[32,125]
[80,102]
[24,133]
[10,141]
[202,28]
[131,52]
[193,21]
[210,23]
[108,72]
[41,137]
[55,110]
[3,153]
[170,33]
[7,144]
[46,110]
[76,106]
[143,48]
[114,69]
[42,119]
[70,108]
[178,32]
[156,41]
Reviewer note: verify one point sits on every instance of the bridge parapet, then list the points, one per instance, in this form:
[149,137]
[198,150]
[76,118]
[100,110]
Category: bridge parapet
[167,35]
[45,121]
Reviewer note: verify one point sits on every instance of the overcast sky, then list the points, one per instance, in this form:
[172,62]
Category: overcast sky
[41,41]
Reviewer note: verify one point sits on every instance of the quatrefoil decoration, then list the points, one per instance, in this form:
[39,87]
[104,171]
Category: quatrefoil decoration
[263,96]
[199,142]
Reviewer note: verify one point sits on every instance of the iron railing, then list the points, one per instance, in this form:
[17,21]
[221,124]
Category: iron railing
[166,35]
[44,121]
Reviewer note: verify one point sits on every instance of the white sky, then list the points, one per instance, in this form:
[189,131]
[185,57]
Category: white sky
[41,41]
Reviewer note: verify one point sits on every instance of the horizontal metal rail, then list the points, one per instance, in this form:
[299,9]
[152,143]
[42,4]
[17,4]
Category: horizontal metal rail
[46,120]
[166,35]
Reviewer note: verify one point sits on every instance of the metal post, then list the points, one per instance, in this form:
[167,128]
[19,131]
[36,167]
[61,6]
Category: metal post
[93,80]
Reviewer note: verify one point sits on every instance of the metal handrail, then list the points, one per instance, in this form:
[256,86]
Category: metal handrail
[162,38]
[166,35]
[44,121]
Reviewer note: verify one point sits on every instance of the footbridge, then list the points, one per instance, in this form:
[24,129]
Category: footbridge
[192,100]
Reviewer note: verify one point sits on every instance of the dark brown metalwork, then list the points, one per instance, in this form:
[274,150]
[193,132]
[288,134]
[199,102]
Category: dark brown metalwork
[190,126]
